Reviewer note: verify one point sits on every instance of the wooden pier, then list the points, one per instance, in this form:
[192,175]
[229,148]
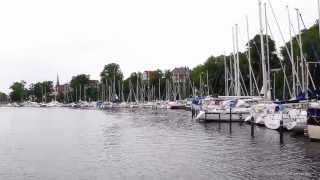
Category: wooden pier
[232,117]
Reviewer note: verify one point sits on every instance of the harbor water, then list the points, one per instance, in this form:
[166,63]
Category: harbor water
[63,143]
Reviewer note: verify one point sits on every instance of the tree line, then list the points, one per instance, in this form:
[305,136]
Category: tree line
[113,86]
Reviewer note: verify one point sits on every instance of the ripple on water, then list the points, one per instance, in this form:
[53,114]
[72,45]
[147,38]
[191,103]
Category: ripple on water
[144,144]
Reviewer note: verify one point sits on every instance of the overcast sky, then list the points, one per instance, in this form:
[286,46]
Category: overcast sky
[40,38]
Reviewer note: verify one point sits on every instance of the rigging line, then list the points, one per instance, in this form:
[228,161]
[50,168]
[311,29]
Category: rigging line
[282,37]
[303,57]
[254,78]
[281,64]
[243,84]
[308,72]
[231,82]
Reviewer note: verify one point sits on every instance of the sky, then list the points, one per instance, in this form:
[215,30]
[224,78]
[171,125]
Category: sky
[40,38]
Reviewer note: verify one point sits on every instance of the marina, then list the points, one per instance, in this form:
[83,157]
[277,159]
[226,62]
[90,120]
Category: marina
[106,91]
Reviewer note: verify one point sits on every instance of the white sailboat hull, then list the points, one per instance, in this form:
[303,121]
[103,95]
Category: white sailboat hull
[272,122]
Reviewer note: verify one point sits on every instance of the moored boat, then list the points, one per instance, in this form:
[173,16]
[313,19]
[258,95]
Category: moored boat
[313,122]
[176,105]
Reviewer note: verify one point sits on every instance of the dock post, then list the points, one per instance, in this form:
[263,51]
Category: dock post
[252,127]
[281,131]
[192,112]
[219,122]
[240,119]
[230,122]
[205,115]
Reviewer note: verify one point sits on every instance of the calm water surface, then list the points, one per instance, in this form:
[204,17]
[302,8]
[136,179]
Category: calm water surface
[144,144]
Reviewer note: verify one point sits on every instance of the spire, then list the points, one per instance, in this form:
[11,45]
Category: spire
[57,83]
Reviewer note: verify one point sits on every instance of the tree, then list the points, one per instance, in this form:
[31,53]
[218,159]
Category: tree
[255,48]
[78,84]
[3,97]
[18,91]
[112,77]
[111,72]
[41,91]
[311,52]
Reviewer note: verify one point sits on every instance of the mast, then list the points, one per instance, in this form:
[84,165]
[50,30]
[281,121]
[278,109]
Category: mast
[234,63]
[76,94]
[105,92]
[159,89]
[237,62]
[114,84]
[85,92]
[319,16]
[137,88]
[267,53]
[249,58]
[301,52]
[42,92]
[291,52]
[80,93]
[200,88]
[263,63]
[122,93]
[226,92]
[208,91]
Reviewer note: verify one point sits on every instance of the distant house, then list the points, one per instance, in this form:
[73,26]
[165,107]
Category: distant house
[181,74]
[93,84]
[63,89]
[147,74]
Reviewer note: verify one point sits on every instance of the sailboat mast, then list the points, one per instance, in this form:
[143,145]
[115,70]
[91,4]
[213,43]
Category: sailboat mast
[237,62]
[319,16]
[208,90]
[200,84]
[137,88]
[234,64]
[225,76]
[263,63]
[268,52]
[291,52]
[301,52]
[159,89]
[249,58]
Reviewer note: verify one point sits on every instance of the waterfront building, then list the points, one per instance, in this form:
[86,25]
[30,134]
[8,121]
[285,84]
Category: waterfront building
[181,74]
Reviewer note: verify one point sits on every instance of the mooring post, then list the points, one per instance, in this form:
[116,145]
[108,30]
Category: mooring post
[192,112]
[219,122]
[205,115]
[230,122]
[240,118]
[252,127]
[281,131]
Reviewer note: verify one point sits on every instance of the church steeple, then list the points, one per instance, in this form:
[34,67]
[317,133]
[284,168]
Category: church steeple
[57,83]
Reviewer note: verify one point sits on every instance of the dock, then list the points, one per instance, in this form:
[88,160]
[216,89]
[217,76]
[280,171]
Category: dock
[233,117]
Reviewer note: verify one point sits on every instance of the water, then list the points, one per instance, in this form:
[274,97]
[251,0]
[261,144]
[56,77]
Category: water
[144,144]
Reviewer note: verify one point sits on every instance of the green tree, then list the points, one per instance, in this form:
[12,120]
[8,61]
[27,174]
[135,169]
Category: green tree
[3,97]
[112,77]
[311,52]
[255,48]
[78,84]
[41,91]
[18,91]
[111,72]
